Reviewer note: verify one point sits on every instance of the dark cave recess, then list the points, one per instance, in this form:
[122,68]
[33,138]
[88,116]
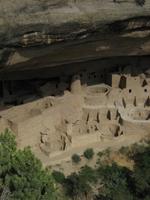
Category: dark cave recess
[19,87]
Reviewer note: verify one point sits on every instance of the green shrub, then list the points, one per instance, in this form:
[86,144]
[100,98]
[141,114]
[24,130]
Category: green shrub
[76,158]
[76,187]
[124,151]
[100,154]
[115,180]
[89,153]
[22,174]
[107,152]
[58,176]
[141,175]
[88,174]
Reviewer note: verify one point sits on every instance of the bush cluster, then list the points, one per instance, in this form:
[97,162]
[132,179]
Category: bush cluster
[111,181]
[89,153]
[76,158]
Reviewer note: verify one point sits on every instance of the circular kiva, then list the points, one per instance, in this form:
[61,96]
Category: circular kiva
[97,90]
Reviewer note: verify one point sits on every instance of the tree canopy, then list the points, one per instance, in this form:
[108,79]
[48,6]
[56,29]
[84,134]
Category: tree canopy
[22,176]
[21,173]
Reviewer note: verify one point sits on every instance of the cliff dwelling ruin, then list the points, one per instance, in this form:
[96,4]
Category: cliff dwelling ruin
[96,104]
[74,74]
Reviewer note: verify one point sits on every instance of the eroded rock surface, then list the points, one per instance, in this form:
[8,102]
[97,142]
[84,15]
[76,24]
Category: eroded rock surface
[44,33]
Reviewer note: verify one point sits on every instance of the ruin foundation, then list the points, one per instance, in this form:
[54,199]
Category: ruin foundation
[76,111]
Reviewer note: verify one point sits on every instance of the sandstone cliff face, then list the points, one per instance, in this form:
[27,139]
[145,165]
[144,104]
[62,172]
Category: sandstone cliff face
[45,33]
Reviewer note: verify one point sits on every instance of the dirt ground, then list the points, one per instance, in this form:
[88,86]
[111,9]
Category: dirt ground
[64,163]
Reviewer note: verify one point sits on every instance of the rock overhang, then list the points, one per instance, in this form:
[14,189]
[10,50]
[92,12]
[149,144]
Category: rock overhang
[43,34]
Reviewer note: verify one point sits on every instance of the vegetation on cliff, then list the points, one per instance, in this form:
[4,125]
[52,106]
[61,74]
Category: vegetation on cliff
[111,181]
[21,174]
